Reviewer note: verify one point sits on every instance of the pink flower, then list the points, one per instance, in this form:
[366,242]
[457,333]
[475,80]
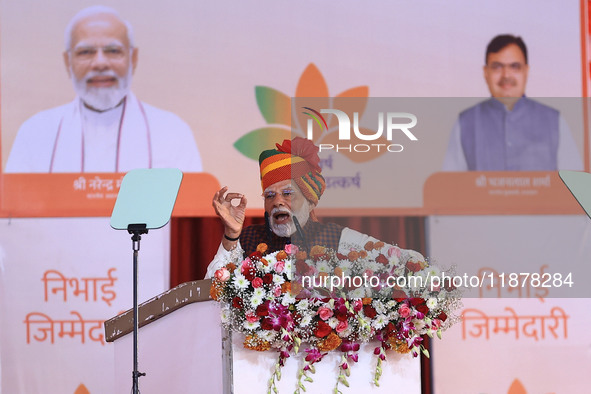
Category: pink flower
[394,251]
[222,274]
[357,305]
[342,326]
[277,291]
[257,282]
[291,249]
[251,317]
[436,323]
[325,313]
[280,266]
[404,310]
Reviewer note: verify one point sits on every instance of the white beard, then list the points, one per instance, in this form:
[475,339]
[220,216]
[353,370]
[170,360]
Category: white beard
[288,229]
[103,98]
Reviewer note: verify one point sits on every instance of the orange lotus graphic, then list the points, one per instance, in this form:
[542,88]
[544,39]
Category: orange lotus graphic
[277,109]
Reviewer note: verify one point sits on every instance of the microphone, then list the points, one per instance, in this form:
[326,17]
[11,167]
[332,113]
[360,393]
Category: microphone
[300,232]
[267,226]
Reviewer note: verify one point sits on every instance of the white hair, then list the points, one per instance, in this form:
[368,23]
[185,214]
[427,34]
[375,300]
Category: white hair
[95,10]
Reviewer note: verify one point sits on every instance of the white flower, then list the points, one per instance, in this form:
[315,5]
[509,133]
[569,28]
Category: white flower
[278,279]
[431,303]
[419,324]
[333,322]
[302,304]
[240,282]
[251,326]
[267,335]
[346,266]
[373,266]
[259,292]
[288,265]
[357,293]
[288,299]
[306,319]
[380,322]
[379,306]
[394,260]
[323,266]
[399,271]
[256,301]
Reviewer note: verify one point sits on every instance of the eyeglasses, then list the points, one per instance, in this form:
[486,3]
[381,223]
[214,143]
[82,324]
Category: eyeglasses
[498,67]
[87,53]
[285,193]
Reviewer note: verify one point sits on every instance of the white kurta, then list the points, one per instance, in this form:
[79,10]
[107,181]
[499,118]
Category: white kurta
[72,138]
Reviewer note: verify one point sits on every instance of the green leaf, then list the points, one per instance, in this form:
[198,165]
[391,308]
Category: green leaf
[274,105]
[253,143]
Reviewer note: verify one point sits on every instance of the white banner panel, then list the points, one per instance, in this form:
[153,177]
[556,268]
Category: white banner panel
[514,340]
[59,280]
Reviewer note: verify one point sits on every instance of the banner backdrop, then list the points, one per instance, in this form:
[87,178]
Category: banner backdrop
[515,339]
[58,284]
[233,65]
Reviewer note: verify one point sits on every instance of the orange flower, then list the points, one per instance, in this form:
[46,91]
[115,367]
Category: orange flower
[295,288]
[286,287]
[331,342]
[338,271]
[353,255]
[301,255]
[368,245]
[262,247]
[265,262]
[216,289]
[378,245]
[281,255]
[253,342]
[366,301]
[362,254]
[231,267]
[317,250]
[398,345]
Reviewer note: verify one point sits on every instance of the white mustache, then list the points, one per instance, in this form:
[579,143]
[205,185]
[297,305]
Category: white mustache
[108,73]
[280,210]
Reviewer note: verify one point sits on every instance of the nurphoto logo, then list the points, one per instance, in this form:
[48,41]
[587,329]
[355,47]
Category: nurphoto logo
[395,123]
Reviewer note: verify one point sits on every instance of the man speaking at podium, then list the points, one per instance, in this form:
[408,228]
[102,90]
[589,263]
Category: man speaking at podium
[106,128]
[292,186]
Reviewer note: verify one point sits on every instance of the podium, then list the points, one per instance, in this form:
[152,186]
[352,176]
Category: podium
[184,349]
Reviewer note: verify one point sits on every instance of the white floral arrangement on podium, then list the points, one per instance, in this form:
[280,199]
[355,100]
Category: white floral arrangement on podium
[400,300]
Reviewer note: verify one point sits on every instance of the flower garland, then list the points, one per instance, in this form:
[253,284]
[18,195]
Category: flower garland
[265,297]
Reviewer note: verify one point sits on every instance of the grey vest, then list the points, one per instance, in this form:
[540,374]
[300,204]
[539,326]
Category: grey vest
[524,139]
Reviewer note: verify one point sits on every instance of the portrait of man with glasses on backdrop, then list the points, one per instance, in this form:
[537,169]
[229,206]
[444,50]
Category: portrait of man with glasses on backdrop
[106,128]
[509,131]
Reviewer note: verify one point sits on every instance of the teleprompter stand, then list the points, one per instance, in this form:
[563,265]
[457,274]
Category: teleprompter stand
[579,184]
[145,202]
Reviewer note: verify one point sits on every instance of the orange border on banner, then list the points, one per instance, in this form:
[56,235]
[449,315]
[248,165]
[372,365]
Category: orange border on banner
[498,192]
[91,194]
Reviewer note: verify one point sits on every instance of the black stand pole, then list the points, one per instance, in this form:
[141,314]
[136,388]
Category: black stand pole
[136,230]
